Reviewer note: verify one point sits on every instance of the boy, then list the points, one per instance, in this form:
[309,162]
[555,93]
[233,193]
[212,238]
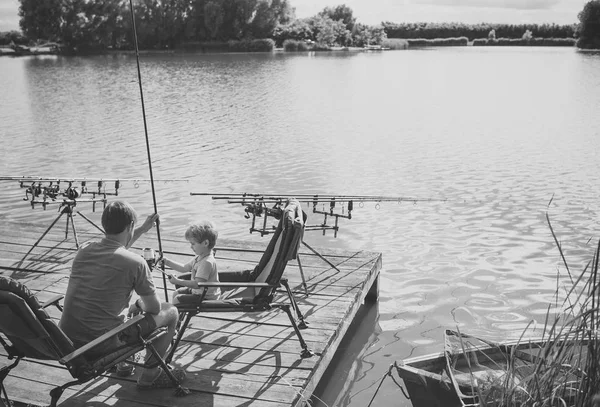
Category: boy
[202,237]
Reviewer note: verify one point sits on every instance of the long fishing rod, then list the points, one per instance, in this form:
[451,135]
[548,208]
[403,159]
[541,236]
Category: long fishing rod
[137,57]
[84,179]
[330,206]
[271,198]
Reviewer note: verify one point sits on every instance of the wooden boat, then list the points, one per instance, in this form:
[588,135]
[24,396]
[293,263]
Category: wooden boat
[455,377]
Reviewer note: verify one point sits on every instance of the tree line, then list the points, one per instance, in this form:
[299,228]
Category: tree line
[474,31]
[166,24]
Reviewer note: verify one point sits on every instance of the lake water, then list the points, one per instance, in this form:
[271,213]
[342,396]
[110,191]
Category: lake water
[503,135]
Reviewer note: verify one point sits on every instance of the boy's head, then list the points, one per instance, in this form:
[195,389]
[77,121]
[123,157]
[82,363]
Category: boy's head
[201,231]
[117,216]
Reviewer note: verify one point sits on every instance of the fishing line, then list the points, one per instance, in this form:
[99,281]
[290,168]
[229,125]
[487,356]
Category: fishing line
[137,58]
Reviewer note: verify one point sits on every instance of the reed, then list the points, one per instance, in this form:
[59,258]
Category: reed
[565,369]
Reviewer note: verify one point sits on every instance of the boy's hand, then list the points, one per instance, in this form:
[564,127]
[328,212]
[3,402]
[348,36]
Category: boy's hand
[172,279]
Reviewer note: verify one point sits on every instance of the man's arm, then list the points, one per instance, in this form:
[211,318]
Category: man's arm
[146,303]
[143,228]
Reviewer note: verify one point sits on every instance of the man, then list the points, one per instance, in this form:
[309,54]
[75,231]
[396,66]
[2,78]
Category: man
[103,277]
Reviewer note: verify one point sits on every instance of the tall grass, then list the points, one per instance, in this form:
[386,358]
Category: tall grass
[563,369]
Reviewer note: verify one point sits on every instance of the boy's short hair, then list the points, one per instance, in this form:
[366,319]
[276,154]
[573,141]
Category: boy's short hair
[117,216]
[204,230]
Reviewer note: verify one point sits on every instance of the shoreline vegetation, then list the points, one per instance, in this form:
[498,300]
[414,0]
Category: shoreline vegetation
[268,45]
[104,26]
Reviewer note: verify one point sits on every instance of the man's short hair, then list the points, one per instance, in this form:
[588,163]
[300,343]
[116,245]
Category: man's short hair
[204,230]
[117,216]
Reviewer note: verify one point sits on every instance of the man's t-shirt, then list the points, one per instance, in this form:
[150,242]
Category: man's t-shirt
[103,277]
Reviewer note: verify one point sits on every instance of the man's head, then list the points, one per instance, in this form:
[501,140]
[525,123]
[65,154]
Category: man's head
[117,217]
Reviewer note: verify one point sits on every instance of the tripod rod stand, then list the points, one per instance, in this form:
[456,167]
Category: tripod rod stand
[67,209]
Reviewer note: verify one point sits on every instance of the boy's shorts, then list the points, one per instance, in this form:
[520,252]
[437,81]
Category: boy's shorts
[186,296]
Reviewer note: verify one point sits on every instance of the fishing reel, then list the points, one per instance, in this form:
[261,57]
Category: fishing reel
[50,191]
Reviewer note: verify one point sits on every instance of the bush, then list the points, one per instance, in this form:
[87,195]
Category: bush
[320,47]
[395,43]
[438,42]
[290,45]
[537,42]
[15,37]
[260,45]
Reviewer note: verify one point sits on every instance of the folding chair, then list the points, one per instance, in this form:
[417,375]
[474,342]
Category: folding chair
[29,332]
[253,290]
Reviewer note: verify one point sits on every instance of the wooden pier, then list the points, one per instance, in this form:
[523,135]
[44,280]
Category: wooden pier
[231,359]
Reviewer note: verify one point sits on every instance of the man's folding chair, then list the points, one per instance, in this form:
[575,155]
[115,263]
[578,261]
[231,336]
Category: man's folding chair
[253,290]
[29,332]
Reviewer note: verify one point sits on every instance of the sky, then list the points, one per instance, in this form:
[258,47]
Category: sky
[375,11]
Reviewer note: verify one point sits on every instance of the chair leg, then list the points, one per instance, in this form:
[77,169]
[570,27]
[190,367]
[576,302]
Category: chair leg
[306,353]
[56,392]
[179,390]
[181,327]
[302,324]
[3,373]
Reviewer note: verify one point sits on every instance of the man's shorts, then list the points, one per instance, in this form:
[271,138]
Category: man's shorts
[131,334]
[128,336]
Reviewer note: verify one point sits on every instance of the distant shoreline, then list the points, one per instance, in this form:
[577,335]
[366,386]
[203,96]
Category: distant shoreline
[388,44]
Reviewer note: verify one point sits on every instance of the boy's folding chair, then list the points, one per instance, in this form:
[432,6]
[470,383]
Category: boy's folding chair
[253,290]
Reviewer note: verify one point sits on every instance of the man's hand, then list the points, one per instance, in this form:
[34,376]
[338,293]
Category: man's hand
[149,223]
[134,310]
[172,279]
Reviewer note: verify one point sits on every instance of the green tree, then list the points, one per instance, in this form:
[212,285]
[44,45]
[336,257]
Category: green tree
[368,35]
[299,30]
[340,13]
[589,26]
[213,18]
[269,15]
[41,20]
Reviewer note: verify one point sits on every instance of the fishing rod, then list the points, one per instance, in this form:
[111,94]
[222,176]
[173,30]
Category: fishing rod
[305,197]
[139,72]
[328,205]
[83,179]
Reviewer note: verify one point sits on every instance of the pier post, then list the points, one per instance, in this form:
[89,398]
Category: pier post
[373,293]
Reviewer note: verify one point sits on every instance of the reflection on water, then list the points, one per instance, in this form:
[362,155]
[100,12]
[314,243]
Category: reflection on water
[500,135]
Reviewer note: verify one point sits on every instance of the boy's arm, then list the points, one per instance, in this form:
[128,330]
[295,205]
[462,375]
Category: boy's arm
[201,276]
[186,283]
[182,268]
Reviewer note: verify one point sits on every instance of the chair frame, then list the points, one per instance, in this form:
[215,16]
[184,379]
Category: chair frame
[84,372]
[187,311]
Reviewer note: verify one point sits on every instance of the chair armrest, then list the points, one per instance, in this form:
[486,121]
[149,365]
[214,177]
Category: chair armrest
[78,352]
[53,301]
[234,285]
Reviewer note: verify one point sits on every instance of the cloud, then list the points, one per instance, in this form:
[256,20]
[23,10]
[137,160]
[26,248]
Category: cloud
[505,4]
